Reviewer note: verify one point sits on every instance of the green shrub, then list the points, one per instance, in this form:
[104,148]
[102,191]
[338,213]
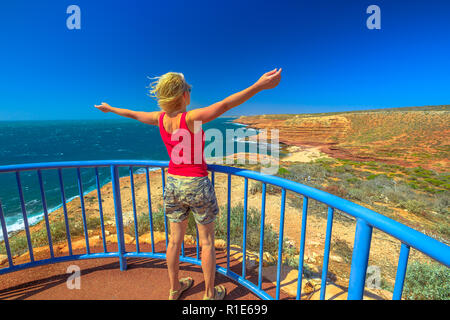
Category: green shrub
[442,203]
[443,229]
[158,219]
[336,190]
[413,185]
[256,187]
[427,281]
[352,180]
[421,172]
[356,194]
[339,169]
[58,230]
[414,206]
[93,223]
[317,172]
[434,182]
[236,227]
[253,229]
[341,248]
[327,160]
[385,285]
[17,245]
[282,172]
[143,223]
[373,176]
[398,193]
[76,227]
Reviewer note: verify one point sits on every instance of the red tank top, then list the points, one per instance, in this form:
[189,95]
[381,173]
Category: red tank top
[185,149]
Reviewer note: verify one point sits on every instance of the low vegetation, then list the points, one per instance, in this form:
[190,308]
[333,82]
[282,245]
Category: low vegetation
[18,241]
[386,190]
[236,227]
[427,281]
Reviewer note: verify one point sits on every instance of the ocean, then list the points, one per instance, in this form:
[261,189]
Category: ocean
[75,140]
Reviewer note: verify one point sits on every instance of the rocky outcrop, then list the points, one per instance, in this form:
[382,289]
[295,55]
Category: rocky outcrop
[410,138]
[299,130]
[311,286]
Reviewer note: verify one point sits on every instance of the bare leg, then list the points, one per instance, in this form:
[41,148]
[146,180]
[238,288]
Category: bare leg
[206,235]
[177,231]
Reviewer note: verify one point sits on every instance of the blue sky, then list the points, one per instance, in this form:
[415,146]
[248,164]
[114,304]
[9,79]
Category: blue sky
[331,61]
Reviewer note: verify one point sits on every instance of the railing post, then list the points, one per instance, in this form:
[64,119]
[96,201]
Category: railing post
[360,259]
[228,221]
[118,214]
[47,222]
[326,253]
[133,200]
[66,218]
[100,209]
[244,235]
[401,272]
[166,228]
[24,215]
[83,211]
[5,236]
[280,243]
[149,201]
[301,254]
[261,235]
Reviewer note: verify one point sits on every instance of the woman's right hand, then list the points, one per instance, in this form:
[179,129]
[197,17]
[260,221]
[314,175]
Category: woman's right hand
[269,80]
[104,107]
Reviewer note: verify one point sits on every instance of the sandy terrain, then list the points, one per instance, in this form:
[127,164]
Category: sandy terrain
[303,154]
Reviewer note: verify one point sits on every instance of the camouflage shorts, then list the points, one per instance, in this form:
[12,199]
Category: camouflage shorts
[185,194]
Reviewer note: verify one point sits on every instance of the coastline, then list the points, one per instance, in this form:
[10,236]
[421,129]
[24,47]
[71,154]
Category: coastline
[292,154]
[38,217]
[286,153]
[394,136]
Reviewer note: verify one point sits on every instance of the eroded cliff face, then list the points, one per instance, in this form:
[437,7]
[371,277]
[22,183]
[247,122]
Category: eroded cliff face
[408,138]
[300,131]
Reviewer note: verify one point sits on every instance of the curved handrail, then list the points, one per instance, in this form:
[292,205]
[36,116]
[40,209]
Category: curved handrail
[366,220]
[407,235]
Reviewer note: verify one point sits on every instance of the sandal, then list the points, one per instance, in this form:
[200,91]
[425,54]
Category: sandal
[186,283]
[219,293]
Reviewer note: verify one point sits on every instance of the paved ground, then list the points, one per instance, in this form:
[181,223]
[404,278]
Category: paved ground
[144,279]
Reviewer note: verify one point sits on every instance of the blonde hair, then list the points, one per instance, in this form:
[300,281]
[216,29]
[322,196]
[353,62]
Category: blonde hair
[168,90]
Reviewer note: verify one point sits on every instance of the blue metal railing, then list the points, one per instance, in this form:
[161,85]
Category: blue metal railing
[366,220]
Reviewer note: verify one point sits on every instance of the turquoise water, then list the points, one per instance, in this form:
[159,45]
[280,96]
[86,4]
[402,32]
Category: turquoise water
[73,140]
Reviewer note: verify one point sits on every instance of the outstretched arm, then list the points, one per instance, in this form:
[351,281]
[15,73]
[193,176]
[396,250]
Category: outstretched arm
[142,116]
[269,80]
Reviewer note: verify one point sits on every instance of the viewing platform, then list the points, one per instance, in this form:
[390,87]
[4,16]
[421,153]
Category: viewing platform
[117,259]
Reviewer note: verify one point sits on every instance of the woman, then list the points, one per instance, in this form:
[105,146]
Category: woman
[188,187]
